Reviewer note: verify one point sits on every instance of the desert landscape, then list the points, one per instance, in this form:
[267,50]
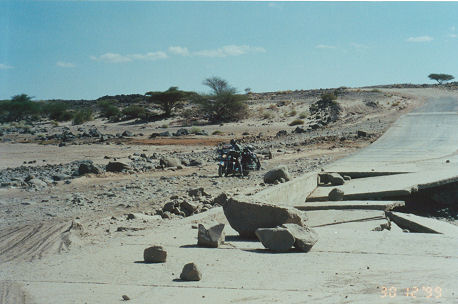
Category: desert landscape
[228,152]
[62,200]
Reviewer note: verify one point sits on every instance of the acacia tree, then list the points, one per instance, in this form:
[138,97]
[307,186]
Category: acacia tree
[168,100]
[440,78]
[223,103]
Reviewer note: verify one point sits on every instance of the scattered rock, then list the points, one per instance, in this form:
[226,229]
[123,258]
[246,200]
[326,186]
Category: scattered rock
[281,133]
[276,174]
[211,237]
[167,162]
[336,179]
[188,207]
[336,195]
[276,239]
[116,167]
[360,133]
[305,237]
[130,216]
[181,132]
[87,167]
[126,134]
[198,192]
[245,216]
[125,298]
[190,273]
[154,254]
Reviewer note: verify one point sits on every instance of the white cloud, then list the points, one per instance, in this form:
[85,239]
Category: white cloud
[325,46]
[118,58]
[178,50]
[359,46]
[64,64]
[452,35]
[230,50]
[148,56]
[420,39]
[5,66]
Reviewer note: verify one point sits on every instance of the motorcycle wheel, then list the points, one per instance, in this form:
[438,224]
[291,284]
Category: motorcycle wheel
[220,171]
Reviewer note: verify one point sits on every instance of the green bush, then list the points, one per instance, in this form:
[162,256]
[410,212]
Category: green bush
[195,130]
[109,110]
[135,111]
[82,116]
[57,111]
[223,104]
[217,132]
[20,107]
[293,113]
[297,122]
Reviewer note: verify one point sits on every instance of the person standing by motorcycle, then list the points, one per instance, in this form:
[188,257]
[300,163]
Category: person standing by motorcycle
[235,145]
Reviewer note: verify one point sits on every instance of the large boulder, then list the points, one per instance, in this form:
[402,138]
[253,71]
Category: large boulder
[116,167]
[304,237]
[275,239]
[166,162]
[211,237]
[277,174]
[154,254]
[246,216]
[190,272]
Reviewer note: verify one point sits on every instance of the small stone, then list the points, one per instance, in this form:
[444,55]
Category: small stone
[154,254]
[336,195]
[211,237]
[130,216]
[125,298]
[190,273]
[276,174]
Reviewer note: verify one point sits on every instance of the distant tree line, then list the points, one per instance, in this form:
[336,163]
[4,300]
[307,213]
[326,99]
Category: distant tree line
[221,104]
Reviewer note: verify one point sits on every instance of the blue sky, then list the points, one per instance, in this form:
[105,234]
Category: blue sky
[81,50]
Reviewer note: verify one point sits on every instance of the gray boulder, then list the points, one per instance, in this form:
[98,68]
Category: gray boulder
[87,167]
[336,195]
[116,167]
[188,207]
[190,272]
[167,162]
[277,174]
[336,179]
[154,254]
[304,237]
[181,132]
[246,216]
[276,239]
[211,237]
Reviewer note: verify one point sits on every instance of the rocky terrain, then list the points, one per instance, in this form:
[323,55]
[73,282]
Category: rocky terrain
[116,176]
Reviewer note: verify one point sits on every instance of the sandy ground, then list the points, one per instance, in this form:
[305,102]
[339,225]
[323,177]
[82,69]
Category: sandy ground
[40,229]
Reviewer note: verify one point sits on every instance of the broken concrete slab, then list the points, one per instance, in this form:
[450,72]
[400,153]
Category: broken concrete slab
[392,186]
[276,239]
[246,215]
[360,220]
[290,193]
[211,237]
[415,223]
[343,205]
